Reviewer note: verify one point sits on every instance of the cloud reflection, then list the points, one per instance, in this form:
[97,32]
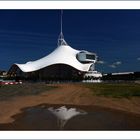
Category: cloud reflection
[64,114]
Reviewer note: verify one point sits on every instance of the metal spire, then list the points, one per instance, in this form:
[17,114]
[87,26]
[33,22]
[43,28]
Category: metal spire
[61,21]
[61,40]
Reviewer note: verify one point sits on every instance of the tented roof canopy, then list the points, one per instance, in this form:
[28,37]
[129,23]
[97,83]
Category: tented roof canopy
[63,54]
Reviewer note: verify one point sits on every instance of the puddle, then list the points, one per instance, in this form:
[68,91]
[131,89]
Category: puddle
[60,117]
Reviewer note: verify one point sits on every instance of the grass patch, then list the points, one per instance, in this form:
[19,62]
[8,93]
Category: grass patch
[10,91]
[117,90]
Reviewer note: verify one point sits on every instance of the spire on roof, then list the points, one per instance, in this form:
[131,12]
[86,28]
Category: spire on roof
[61,40]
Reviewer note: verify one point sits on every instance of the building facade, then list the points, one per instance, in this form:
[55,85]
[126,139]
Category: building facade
[64,63]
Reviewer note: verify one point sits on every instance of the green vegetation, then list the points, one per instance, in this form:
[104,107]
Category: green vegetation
[118,90]
[9,91]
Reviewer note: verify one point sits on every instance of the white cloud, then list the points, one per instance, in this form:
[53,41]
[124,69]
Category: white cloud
[138,58]
[118,63]
[115,64]
[112,66]
[100,62]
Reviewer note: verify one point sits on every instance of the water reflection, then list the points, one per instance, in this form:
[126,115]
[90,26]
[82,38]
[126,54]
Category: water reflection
[70,117]
[64,114]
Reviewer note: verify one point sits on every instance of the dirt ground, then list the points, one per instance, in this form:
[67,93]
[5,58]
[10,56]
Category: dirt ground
[72,94]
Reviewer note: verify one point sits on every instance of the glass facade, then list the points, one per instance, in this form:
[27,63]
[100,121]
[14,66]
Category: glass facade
[90,56]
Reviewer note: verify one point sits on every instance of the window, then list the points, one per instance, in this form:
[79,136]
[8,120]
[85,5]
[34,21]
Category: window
[90,56]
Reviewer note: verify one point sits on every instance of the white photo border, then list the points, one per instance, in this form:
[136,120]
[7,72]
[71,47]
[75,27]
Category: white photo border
[70,134]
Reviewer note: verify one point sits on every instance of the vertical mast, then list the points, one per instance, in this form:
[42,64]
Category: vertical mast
[61,21]
[61,40]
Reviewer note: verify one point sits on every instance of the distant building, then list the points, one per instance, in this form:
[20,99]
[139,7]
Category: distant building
[122,76]
[3,73]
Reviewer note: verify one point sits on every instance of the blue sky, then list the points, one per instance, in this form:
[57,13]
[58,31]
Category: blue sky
[114,35]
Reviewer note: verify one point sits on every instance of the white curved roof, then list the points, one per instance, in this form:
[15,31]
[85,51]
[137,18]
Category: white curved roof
[63,54]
